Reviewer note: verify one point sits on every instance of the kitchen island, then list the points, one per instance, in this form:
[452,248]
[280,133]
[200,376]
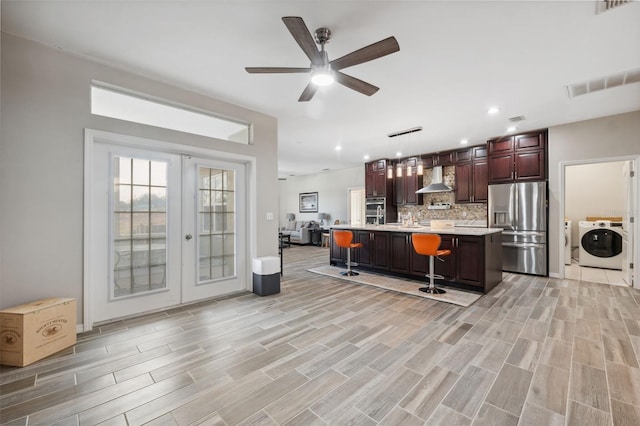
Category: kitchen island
[475,262]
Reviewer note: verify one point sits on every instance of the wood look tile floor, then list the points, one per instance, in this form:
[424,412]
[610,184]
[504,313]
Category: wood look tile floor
[535,351]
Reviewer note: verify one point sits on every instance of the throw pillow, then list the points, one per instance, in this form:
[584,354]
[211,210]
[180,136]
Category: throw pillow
[290,226]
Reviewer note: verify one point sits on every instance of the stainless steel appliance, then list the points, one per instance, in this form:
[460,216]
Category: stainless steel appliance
[520,209]
[375,211]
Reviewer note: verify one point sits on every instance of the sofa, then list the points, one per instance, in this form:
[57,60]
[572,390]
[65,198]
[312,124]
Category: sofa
[299,231]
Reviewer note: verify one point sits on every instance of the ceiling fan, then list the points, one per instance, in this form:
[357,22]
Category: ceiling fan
[323,71]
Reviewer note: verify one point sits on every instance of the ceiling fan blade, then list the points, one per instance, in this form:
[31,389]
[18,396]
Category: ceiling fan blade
[303,37]
[308,93]
[356,84]
[271,70]
[367,53]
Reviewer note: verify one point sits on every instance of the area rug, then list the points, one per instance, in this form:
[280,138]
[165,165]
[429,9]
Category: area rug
[454,296]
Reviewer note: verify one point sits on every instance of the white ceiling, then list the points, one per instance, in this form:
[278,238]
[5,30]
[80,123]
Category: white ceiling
[456,59]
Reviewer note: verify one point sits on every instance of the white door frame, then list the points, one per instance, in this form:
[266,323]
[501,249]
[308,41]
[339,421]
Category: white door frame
[561,211]
[91,137]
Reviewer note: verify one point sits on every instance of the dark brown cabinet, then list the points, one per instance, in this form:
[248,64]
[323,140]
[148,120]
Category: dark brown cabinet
[399,254]
[446,158]
[376,182]
[472,175]
[405,186]
[363,254]
[470,264]
[380,244]
[518,158]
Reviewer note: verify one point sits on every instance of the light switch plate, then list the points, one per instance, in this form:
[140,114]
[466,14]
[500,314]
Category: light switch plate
[269,216]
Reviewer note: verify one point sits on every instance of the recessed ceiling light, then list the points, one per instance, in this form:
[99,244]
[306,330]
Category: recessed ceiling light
[366,157]
[464,141]
[338,148]
[398,154]
[493,110]
[511,129]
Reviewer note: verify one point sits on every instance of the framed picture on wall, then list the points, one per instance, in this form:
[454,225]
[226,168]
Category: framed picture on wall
[308,202]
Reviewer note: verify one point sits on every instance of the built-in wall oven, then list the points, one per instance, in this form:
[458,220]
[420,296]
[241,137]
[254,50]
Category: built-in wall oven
[375,210]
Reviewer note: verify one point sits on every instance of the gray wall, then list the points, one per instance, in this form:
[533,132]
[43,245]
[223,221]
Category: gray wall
[608,137]
[593,190]
[332,188]
[45,109]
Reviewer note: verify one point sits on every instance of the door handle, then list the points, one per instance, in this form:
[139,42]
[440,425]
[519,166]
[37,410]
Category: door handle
[188,237]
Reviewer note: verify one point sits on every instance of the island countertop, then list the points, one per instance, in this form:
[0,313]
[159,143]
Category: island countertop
[458,230]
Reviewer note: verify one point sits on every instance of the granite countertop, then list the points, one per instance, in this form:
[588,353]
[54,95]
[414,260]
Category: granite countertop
[457,230]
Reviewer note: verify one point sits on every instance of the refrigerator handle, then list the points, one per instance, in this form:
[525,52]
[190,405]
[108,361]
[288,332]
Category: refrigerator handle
[516,206]
[523,245]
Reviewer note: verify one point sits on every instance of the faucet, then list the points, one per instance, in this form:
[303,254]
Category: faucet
[378,215]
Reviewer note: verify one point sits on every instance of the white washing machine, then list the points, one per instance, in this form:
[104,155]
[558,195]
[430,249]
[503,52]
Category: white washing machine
[567,242]
[601,244]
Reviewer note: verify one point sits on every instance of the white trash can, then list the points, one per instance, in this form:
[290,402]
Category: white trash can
[266,275]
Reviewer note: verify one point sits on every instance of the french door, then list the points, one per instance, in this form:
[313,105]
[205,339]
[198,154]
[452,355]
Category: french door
[214,218]
[164,229]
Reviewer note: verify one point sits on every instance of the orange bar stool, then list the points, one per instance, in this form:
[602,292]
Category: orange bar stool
[344,239]
[427,245]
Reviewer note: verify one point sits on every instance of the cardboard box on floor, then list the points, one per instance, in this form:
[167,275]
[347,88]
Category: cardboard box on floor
[36,330]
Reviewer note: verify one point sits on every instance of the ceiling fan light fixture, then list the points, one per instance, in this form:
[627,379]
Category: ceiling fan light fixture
[322,77]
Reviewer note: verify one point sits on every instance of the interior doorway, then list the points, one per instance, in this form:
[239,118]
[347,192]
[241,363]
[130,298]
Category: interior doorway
[356,207]
[599,238]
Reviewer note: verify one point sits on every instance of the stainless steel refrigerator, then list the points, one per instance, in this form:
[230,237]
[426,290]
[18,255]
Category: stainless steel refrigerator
[520,209]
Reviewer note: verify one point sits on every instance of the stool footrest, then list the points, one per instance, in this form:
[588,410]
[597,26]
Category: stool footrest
[435,276]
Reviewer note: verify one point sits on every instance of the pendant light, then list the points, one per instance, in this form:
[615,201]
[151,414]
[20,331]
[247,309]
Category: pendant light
[399,170]
[409,172]
[420,168]
[390,172]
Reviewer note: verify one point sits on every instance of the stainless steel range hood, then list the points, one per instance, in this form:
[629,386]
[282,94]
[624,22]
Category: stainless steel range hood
[436,184]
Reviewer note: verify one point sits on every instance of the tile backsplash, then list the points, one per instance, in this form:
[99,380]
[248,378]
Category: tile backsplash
[456,212]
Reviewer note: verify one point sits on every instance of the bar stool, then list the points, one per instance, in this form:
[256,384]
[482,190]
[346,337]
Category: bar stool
[343,239]
[427,245]
[325,239]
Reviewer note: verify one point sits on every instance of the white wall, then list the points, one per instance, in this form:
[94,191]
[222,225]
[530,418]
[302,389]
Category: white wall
[593,190]
[332,188]
[615,137]
[45,109]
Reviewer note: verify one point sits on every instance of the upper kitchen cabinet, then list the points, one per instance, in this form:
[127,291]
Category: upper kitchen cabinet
[438,159]
[472,173]
[518,158]
[376,183]
[406,185]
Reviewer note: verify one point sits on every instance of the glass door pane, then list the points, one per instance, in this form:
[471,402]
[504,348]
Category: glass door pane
[216,221]
[139,234]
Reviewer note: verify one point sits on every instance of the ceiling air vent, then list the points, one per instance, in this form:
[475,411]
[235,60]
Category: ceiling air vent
[604,5]
[516,119]
[613,80]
